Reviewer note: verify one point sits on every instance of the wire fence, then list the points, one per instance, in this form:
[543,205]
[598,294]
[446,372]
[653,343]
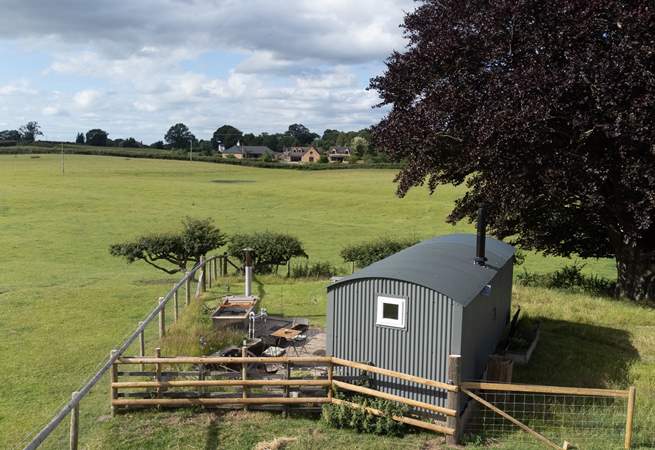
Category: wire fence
[583,421]
[155,323]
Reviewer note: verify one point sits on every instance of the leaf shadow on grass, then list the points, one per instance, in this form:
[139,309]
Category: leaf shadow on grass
[211,441]
[581,355]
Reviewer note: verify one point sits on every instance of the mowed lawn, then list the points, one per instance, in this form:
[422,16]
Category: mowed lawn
[66,302]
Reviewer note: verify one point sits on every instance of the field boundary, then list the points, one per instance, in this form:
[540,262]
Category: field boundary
[176,155]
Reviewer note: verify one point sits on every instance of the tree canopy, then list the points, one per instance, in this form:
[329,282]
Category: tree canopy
[270,249]
[80,138]
[179,136]
[227,135]
[96,137]
[545,111]
[302,134]
[198,236]
[30,131]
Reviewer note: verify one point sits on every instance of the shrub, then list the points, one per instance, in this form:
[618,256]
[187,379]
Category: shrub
[569,277]
[367,253]
[343,416]
[270,249]
[319,269]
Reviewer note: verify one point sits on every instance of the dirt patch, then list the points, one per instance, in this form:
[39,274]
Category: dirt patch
[275,444]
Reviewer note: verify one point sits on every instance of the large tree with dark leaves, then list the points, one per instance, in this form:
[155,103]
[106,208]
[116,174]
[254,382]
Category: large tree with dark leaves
[546,111]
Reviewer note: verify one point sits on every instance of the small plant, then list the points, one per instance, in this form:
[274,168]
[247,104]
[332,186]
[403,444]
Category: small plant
[343,416]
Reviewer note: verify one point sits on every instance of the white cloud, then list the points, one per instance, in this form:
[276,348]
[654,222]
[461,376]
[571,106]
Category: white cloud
[134,71]
[21,87]
[85,99]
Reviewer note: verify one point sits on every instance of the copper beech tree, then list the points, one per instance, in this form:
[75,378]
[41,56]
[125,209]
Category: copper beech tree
[545,111]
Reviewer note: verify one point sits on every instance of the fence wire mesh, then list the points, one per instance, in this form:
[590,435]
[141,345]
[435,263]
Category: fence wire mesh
[585,421]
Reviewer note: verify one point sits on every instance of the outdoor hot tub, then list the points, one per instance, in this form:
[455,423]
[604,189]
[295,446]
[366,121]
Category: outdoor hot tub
[234,311]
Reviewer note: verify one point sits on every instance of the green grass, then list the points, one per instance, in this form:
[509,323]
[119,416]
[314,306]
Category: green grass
[66,302]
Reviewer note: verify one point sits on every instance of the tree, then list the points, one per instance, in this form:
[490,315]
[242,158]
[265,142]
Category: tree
[30,131]
[179,136]
[359,146]
[130,143]
[545,111]
[158,144]
[96,137]
[302,134]
[197,237]
[270,249]
[10,135]
[80,138]
[227,135]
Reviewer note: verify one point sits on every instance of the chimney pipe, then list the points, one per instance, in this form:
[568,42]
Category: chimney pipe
[248,270]
[480,258]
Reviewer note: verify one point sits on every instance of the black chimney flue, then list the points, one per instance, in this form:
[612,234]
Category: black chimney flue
[480,258]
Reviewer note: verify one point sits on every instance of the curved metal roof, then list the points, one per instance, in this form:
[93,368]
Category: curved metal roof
[443,264]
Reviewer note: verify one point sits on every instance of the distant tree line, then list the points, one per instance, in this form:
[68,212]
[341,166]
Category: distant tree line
[180,137]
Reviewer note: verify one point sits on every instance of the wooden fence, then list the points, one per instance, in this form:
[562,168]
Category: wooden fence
[228,382]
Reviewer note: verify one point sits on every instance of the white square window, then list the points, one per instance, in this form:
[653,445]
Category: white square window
[391,311]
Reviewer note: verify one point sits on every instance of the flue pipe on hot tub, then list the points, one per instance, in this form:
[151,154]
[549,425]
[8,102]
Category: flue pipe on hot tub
[247,252]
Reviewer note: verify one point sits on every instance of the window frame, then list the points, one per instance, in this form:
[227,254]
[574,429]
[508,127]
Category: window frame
[401,302]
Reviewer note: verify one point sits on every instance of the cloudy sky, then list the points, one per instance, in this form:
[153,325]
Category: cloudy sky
[135,67]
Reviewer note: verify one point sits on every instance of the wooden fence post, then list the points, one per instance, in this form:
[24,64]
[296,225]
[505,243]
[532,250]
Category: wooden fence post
[203,274]
[158,370]
[162,319]
[113,392]
[142,345]
[285,411]
[75,424]
[454,377]
[330,376]
[632,394]
[244,370]
[210,273]
[214,267]
[176,306]
[187,292]
[224,264]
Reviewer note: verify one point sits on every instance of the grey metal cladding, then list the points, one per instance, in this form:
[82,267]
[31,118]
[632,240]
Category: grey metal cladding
[420,349]
[444,264]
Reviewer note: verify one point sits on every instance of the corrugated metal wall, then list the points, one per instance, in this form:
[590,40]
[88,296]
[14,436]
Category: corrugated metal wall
[421,349]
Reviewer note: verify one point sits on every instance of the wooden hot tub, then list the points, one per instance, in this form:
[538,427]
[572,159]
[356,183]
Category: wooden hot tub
[234,311]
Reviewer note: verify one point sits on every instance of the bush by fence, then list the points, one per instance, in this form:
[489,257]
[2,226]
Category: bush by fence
[319,269]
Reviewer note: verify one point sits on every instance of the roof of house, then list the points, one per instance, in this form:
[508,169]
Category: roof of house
[443,264]
[298,150]
[250,149]
[340,150]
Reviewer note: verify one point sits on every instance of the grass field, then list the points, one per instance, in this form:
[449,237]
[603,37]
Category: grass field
[65,302]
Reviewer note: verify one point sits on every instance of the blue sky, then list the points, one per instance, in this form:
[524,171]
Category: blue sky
[135,68]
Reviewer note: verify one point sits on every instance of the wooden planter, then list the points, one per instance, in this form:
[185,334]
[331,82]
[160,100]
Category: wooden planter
[523,357]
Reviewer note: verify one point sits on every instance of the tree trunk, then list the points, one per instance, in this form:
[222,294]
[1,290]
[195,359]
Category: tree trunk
[635,273]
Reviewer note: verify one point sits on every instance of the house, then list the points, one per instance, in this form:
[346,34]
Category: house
[246,151]
[301,154]
[410,311]
[339,154]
